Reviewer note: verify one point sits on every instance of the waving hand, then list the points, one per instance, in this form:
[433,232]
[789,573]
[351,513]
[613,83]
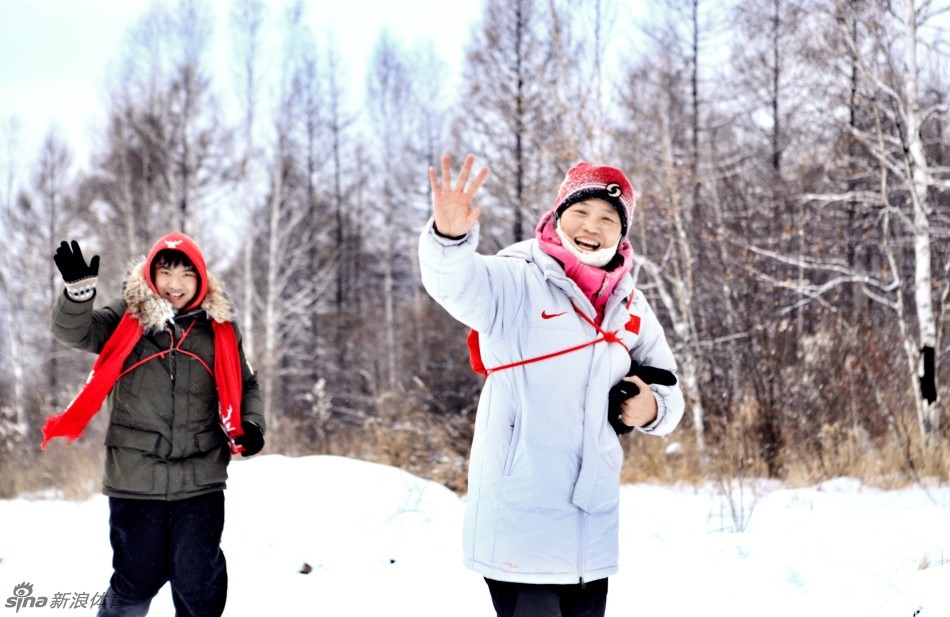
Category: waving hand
[455,214]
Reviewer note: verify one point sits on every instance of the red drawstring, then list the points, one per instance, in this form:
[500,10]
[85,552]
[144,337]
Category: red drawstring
[610,337]
[174,347]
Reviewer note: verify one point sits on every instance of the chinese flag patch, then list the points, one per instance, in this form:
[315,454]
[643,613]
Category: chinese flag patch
[633,325]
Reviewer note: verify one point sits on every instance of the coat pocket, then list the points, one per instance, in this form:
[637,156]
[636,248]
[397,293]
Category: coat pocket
[131,459]
[541,479]
[209,439]
[513,444]
[607,484]
[210,467]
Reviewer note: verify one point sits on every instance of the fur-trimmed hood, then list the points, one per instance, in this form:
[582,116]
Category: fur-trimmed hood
[152,311]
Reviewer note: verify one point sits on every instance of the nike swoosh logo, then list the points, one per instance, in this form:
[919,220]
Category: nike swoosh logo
[547,315]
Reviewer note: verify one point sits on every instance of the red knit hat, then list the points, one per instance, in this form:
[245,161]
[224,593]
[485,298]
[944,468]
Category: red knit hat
[586,181]
[177,241]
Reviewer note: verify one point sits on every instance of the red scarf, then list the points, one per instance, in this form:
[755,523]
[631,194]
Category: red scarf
[227,375]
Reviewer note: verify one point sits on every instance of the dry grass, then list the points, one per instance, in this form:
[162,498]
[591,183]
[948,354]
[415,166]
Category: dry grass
[428,445]
[67,471]
[401,434]
[436,446]
[883,462]
[928,561]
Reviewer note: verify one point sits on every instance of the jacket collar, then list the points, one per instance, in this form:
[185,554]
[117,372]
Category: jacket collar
[531,251]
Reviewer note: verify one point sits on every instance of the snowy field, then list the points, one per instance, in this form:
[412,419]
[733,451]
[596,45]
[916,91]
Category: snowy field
[378,541]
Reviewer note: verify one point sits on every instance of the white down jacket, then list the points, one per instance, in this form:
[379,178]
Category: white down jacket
[544,471]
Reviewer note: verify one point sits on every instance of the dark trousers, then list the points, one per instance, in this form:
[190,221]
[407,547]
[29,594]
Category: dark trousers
[154,542]
[525,600]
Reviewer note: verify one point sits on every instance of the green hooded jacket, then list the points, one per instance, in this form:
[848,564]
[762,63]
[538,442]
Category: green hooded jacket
[164,439]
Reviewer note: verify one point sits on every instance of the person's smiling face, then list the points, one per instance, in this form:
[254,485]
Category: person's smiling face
[177,284]
[592,224]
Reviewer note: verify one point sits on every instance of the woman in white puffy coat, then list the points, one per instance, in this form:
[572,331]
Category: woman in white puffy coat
[558,322]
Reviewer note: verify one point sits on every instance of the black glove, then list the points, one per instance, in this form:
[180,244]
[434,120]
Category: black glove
[252,440]
[80,278]
[625,389]
[72,265]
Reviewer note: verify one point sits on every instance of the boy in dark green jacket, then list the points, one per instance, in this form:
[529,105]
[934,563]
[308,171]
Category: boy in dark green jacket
[182,400]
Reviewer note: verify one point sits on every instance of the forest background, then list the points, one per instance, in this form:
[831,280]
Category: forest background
[792,229]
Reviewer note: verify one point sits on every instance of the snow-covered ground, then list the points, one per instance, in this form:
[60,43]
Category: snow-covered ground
[379,541]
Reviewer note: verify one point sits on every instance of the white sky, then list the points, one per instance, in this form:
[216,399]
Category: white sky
[56,55]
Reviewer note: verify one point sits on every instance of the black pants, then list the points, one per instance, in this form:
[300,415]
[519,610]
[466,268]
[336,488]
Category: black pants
[524,600]
[154,542]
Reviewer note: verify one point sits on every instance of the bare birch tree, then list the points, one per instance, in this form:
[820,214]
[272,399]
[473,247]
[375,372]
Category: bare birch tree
[167,154]
[13,297]
[20,336]
[510,99]
[892,185]
[49,224]
[391,99]
[909,182]
[292,282]
[247,18]
[431,106]
[677,241]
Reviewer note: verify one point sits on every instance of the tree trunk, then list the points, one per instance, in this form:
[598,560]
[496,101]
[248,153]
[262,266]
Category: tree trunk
[928,408]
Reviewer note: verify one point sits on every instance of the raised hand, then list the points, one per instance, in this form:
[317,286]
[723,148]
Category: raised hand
[72,265]
[455,214]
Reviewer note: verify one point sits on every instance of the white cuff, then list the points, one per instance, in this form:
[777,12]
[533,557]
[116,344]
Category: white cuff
[82,290]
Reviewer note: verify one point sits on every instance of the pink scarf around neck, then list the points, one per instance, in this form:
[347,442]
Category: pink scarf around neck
[596,283]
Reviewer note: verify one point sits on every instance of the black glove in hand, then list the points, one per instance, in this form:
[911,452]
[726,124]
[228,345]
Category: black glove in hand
[615,398]
[80,278]
[72,265]
[625,389]
[252,440]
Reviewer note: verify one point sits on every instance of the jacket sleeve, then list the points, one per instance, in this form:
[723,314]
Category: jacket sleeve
[78,325]
[252,403]
[468,285]
[652,349]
